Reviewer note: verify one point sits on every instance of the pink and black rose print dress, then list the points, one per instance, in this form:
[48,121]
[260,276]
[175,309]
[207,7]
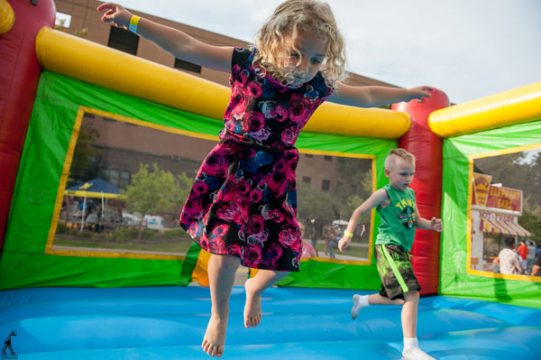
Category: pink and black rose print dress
[243,200]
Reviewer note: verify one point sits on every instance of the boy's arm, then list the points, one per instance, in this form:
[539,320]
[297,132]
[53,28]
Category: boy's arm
[376,199]
[373,96]
[177,42]
[422,223]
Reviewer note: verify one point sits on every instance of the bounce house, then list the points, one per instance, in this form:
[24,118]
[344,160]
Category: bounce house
[63,300]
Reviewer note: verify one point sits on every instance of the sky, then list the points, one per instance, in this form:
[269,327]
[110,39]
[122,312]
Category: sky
[467,48]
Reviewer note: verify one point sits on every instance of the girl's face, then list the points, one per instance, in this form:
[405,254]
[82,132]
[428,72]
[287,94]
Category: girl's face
[305,56]
[401,173]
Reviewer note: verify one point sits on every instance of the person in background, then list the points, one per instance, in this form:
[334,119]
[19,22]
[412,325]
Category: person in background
[522,251]
[508,258]
[307,248]
[536,268]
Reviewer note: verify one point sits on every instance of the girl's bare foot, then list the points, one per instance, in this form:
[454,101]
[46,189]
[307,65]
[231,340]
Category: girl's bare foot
[214,339]
[252,308]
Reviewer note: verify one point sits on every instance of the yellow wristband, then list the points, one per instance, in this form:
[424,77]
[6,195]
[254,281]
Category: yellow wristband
[348,234]
[134,21]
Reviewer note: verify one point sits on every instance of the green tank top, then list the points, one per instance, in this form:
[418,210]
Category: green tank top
[397,226]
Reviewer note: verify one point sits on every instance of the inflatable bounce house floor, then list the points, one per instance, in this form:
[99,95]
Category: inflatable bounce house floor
[169,322]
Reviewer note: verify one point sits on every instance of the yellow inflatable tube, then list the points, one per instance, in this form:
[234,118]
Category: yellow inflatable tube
[103,66]
[7,17]
[510,107]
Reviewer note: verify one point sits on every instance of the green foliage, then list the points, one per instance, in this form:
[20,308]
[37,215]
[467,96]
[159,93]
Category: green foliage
[353,176]
[532,222]
[152,192]
[85,154]
[185,185]
[315,204]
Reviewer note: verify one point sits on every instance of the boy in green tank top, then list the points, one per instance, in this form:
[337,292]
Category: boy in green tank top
[395,204]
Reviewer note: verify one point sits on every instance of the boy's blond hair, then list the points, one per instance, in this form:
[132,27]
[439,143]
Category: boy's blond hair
[288,19]
[400,153]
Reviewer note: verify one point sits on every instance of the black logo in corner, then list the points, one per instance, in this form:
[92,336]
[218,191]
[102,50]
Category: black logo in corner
[7,349]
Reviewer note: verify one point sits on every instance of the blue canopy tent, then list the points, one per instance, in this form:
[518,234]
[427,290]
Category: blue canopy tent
[96,188]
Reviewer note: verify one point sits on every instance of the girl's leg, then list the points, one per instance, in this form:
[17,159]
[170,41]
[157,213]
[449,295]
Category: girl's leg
[221,272]
[254,288]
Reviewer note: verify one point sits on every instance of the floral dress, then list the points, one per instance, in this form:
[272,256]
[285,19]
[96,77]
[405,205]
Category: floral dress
[243,200]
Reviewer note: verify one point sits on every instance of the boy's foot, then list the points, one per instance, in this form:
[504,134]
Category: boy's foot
[252,308]
[415,354]
[214,339]
[357,306]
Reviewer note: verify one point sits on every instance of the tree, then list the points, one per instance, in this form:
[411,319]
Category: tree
[85,162]
[185,184]
[152,192]
[531,220]
[315,204]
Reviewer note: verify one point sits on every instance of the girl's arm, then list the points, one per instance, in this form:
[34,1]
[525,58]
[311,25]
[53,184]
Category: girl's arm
[422,223]
[373,96]
[177,42]
[376,199]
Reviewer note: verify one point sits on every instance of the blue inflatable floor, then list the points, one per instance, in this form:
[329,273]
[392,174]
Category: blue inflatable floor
[169,322]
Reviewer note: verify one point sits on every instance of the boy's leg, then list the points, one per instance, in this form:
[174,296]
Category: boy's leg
[411,351]
[221,272]
[254,288]
[360,301]
[409,314]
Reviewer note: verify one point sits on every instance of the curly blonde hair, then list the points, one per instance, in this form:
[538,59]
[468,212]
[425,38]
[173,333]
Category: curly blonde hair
[288,19]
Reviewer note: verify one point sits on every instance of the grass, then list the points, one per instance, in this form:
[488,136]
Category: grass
[170,241]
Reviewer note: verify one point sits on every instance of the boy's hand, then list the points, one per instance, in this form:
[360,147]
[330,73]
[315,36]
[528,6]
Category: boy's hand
[344,242]
[115,14]
[435,224]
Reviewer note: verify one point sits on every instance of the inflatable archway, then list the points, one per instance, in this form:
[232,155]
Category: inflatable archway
[141,93]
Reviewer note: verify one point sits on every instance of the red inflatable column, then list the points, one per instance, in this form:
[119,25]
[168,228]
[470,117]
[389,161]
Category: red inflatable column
[19,75]
[427,148]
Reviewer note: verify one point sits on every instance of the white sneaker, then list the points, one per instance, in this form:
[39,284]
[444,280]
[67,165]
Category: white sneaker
[415,353]
[356,306]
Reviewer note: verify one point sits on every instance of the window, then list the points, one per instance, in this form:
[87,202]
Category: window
[123,40]
[62,20]
[325,185]
[306,179]
[188,66]
[118,178]
[124,179]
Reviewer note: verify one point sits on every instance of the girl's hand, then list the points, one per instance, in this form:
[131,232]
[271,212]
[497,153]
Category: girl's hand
[419,93]
[435,224]
[115,14]
[343,244]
